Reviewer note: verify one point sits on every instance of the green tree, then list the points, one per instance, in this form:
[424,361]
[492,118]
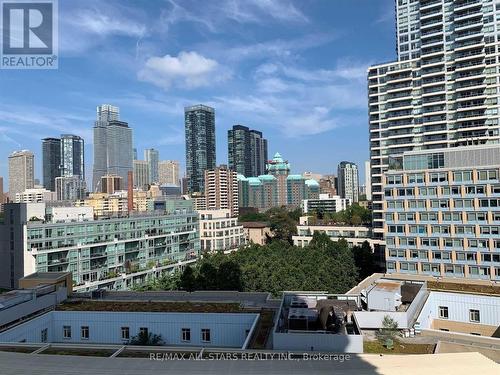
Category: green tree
[207,277]
[282,223]
[389,329]
[188,279]
[146,339]
[364,260]
[229,276]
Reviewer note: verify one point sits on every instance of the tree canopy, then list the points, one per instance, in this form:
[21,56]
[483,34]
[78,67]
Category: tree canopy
[324,265]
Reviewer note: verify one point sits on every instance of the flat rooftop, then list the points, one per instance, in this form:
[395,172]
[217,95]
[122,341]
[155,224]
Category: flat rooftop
[362,364]
[46,276]
[443,284]
[149,306]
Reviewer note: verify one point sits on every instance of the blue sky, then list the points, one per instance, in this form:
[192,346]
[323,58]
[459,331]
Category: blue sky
[295,70]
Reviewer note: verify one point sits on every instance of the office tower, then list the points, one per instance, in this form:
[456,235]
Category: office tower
[152,156]
[440,208]
[168,172]
[51,162]
[348,181]
[111,183]
[141,174]
[72,156]
[21,172]
[221,189]
[442,92]
[280,169]
[368,181]
[112,145]
[247,151]
[70,188]
[135,153]
[200,145]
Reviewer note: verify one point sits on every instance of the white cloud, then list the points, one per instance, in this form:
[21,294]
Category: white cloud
[85,27]
[99,23]
[214,15]
[187,70]
[36,123]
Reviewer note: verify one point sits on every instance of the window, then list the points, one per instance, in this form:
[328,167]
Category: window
[205,335]
[67,332]
[125,333]
[85,333]
[43,335]
[186,334]
[143,331]
[474,316]
[443,312]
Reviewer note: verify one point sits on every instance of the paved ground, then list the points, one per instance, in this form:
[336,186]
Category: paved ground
[363,364]
[448,347]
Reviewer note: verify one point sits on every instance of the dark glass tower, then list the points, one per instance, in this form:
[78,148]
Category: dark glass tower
[51,161]
[200,145]
[247,151]
[239,150]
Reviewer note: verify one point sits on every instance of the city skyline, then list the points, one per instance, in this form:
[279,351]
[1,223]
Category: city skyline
[258,60]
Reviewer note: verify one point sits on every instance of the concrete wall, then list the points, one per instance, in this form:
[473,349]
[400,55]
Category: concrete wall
[303,341]
[29,307]
[459,305]
[226,330]
[373,319]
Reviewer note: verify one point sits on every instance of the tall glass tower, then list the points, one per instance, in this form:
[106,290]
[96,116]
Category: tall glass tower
[51,162]
[247,151]
[152,156]
[113,152]
[200,144]
[72,156]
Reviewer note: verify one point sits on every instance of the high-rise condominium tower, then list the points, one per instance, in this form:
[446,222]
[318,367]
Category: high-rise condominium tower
[200,145]
[168,172]
[152,156]
[112,146]
[72,156]
[21,172]
[247,151]
[443,90]
[348,181]
[51,162]
[221,189]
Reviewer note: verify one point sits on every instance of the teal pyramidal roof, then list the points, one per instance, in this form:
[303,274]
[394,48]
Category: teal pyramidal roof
[278,163]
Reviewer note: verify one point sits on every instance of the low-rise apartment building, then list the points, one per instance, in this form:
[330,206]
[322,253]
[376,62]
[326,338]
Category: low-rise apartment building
[219,231]
[326,203]
[354,235]
[106,253]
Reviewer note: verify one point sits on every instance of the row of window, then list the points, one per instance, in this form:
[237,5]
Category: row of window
[125,333]
[446,216]
[444,190]
[452,269]
[444,255]
[474,315]
[469,230]
[419,178]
